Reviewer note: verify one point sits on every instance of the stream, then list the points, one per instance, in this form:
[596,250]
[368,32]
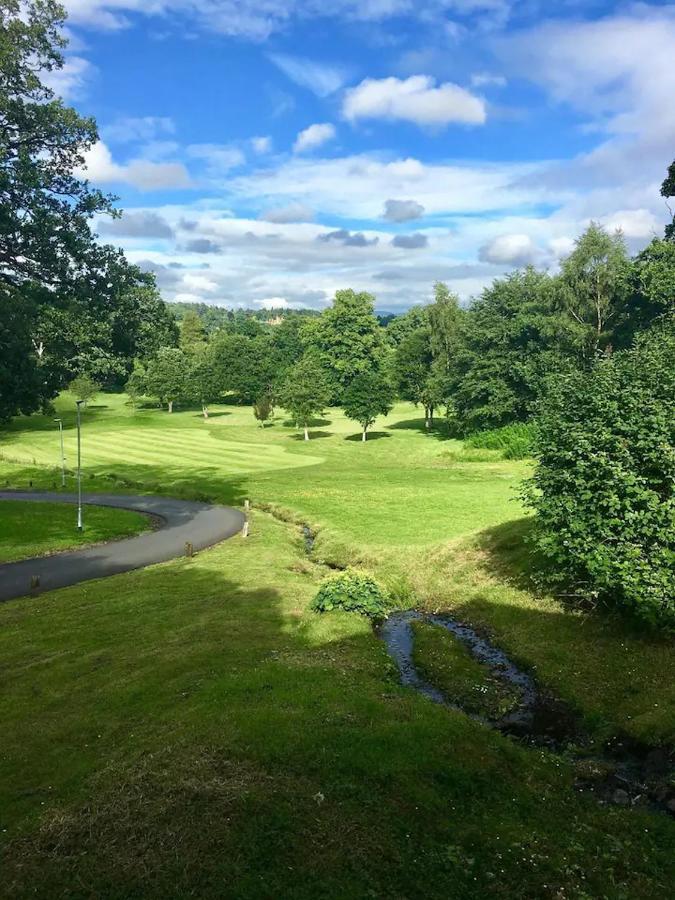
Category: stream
[622,772]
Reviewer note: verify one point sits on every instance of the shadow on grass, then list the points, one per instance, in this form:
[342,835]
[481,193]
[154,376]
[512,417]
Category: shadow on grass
[211,415]
[372,436]
[437,429]
[312,435]
[313,423]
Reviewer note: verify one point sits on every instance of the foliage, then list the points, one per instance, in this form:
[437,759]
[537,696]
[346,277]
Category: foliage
[653,285]
[244,365]
[515,441]
[352,591]
[192,334]
[135,386]
[346,339]
[204,383]
[668,191]
[167,377]
[593,288]
[84,388]
[603,490]
[263,408]
[368,396]
[510,342]
[306,392]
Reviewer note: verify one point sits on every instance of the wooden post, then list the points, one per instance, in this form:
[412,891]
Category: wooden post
[188,549]
[247,506]
[244,531]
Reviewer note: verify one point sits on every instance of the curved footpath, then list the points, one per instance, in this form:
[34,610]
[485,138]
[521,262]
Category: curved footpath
[199,523]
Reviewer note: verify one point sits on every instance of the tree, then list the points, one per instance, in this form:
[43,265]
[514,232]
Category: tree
[593,288]
[204,383]
[84,388]
[416,378]
[604,487]
[305,393]
[509,343]
[136,385]
[192,335]
[244,365]
[45,207]
[263,408]
[167,377]
[346,339]
[445,318]
[668,191]
[368,396]
[653,287]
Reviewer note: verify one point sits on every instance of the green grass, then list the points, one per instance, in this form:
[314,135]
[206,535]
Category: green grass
[192,729]
[445,662]
[37,529]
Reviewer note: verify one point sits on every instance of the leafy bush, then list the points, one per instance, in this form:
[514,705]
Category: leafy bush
[352,591]
[604,488]
[515,441]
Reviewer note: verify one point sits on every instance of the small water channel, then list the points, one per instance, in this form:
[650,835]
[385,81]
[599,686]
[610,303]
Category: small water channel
[622,772]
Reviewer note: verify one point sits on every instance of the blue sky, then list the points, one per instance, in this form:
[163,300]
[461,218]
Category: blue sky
[268,152]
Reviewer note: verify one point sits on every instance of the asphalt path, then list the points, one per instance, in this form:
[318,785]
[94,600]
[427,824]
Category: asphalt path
[181,521]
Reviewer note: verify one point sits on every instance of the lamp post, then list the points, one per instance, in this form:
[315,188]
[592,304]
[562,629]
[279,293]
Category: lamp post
[63,458]
[79,468]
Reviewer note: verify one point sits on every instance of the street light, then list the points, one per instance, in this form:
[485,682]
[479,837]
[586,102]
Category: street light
[63,458]
[79,469]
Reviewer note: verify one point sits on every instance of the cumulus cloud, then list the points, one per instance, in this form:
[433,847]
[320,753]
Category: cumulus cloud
[402,210]
[138,224]
[142,174]
[410,241]
[509,249]
[318,77]
[416,99]
[314,136]
[71,81]
[348,238]
[294,212]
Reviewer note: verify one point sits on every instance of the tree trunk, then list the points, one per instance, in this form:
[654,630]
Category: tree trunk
[170,405]
[427,417]
[363,436]
[306,433]
[205,411]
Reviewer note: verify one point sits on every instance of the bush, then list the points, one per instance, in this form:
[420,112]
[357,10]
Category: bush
[515,441]
[603,491]
[352,591]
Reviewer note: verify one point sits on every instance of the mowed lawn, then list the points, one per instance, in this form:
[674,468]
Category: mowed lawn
[192,729]
[37,529]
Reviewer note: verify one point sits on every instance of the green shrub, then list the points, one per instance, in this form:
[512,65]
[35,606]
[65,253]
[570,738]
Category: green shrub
[604,489]
[352,591]
[515,441]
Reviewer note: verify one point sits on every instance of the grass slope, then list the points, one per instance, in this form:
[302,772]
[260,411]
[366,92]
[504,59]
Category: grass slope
[37,529]
[191,730]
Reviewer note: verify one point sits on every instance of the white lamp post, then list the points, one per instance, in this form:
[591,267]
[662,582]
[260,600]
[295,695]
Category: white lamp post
[63,457]
[79,468]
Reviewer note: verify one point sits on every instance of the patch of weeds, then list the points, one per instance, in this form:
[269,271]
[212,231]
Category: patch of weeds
[352,591]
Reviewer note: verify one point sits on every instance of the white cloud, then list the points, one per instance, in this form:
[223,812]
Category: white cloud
[415,99]
[145,175]
[219,158]
[314,136]
[142,128]
[320,78]
[71,81]
[485,79]
[510,249]
[262,144]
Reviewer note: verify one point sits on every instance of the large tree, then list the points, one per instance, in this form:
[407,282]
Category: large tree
[167,377]
[509,344]
[347,339]
[244,365]
[668,191]
[594,287]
